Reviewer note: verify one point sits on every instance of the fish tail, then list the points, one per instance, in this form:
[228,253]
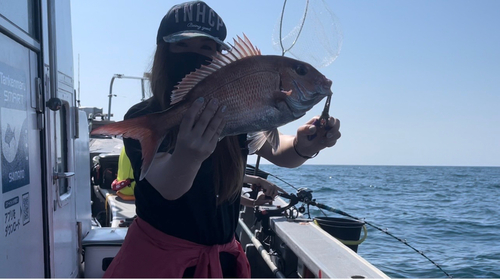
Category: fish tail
[145,129]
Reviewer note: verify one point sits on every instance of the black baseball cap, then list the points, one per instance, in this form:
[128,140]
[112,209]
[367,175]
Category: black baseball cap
[189,20]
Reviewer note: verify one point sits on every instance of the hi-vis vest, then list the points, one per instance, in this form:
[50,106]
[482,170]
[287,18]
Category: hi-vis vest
[124,182]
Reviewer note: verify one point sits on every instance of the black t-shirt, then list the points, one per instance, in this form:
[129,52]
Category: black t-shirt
[194,216]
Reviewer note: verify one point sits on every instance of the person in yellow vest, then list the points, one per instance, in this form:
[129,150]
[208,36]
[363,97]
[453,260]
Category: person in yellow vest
[124,183]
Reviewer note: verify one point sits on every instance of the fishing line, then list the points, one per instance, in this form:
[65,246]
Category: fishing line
[270,174]
[338,211]
[331,209]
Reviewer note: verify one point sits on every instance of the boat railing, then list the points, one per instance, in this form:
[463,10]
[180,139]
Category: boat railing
[121,76]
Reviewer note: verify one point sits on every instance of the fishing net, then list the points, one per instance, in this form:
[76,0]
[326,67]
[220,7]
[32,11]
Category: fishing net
[309,31]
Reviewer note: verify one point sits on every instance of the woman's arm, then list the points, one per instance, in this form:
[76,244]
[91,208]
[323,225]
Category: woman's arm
[270,189]
[295,150]
[260,200]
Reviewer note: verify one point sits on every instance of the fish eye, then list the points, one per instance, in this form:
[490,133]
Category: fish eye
[301,70]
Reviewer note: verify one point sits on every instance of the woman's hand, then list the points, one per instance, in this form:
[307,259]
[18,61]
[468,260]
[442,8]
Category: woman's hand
[270,189]
[262,199]
[198,138]
[322,136]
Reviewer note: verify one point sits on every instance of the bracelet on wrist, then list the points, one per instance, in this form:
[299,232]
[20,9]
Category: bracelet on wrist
[300,155]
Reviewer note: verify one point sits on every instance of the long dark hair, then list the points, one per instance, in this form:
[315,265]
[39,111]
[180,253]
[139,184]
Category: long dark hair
[228,165]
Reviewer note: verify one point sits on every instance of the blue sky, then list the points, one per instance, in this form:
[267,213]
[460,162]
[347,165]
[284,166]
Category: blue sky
[415,83]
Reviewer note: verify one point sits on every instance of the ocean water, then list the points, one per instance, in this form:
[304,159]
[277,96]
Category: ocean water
[451,214]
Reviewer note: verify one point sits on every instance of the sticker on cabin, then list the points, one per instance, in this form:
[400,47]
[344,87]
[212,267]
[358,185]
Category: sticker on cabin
[25,209]
[17,215]
[12,217]
[14,128]
[11,202]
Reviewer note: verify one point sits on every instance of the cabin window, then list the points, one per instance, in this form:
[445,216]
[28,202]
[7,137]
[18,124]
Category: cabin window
[22,13]
[62,148]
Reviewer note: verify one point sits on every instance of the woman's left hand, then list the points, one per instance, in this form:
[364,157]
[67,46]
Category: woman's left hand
[269,189]
[262,199]
[310,138]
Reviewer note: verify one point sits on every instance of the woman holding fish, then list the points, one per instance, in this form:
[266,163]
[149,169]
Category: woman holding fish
[189,143]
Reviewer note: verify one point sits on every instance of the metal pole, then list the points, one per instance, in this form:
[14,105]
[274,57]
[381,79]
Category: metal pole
[78,100]
[111,95]
[257,165]
[263,252]
[51,15]
[142,86]
[111,89]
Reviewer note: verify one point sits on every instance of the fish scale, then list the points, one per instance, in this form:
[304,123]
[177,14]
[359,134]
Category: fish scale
[260,92]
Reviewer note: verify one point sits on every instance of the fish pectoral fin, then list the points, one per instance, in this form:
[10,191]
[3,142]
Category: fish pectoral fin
[273,137]
[258,139]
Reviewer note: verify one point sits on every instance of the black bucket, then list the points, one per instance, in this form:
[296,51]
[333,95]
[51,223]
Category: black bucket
[346,231]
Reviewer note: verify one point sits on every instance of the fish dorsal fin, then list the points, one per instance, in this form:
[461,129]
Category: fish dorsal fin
[242,48]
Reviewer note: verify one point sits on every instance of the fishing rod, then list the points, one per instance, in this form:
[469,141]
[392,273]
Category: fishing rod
[304,195]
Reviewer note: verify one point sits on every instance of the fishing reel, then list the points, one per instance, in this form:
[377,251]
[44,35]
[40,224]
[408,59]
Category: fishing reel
[263,213]
[304,195]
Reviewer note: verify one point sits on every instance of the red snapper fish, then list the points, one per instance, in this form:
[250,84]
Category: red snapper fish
[261,93]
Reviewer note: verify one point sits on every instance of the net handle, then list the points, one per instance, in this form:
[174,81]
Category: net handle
[283,51]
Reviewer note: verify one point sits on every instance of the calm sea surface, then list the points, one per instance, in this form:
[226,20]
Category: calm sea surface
[451,214]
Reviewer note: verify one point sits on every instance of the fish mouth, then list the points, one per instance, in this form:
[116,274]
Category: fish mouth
[304,100]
